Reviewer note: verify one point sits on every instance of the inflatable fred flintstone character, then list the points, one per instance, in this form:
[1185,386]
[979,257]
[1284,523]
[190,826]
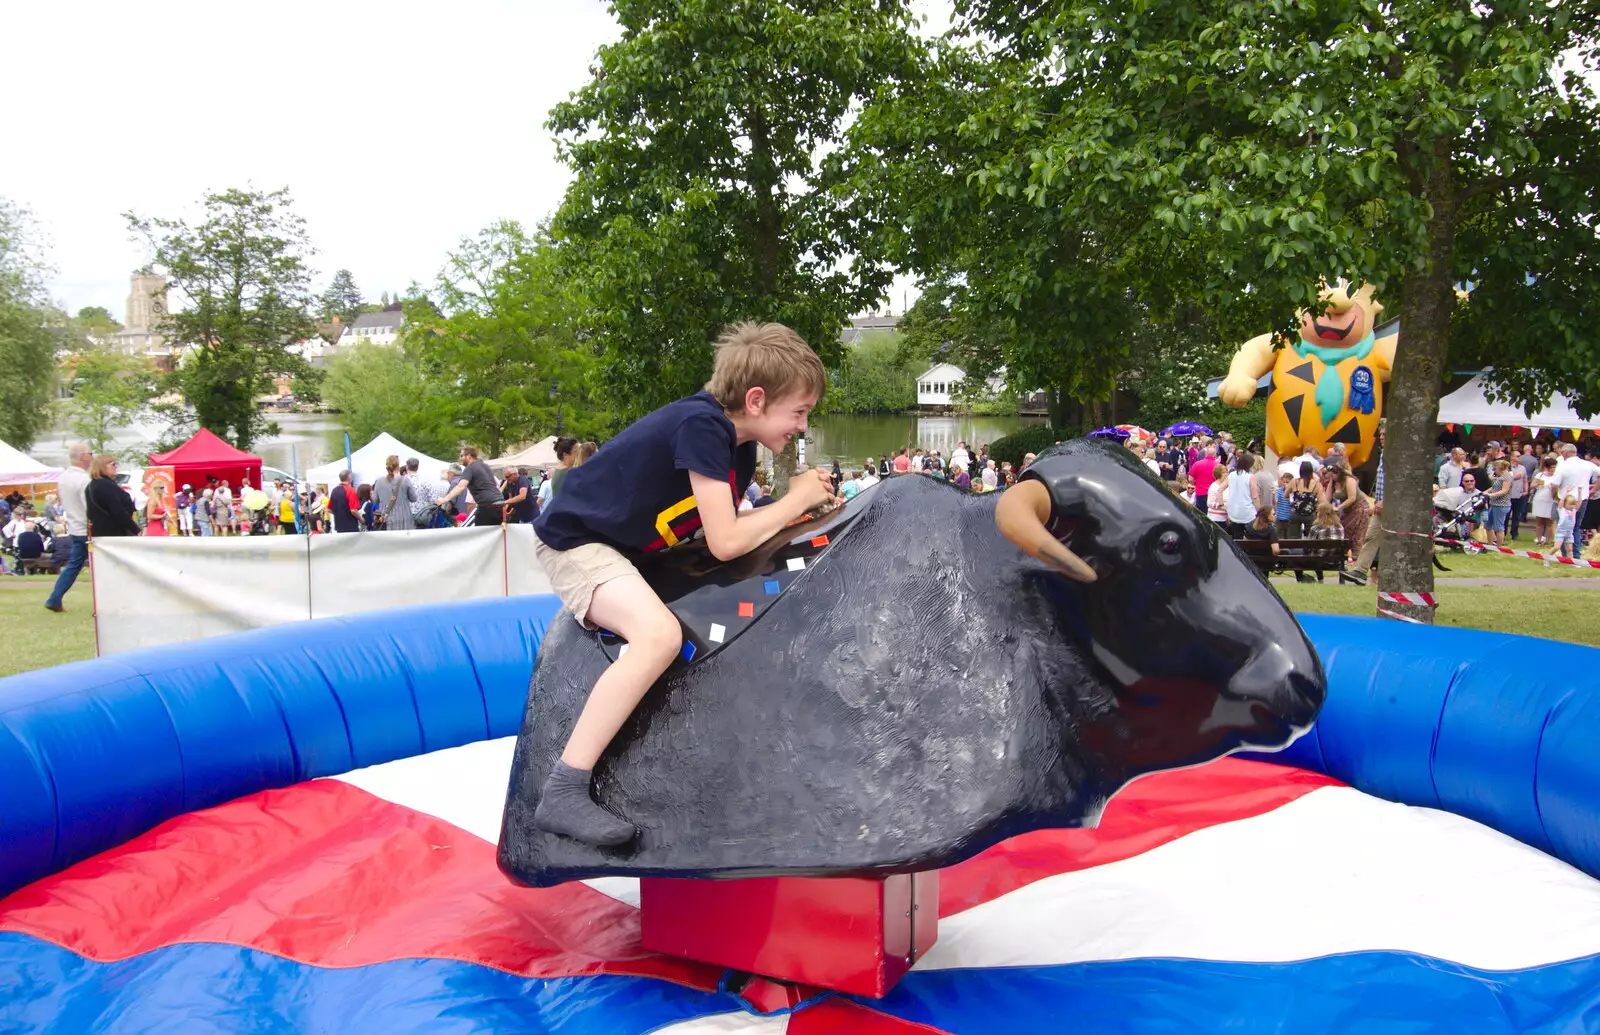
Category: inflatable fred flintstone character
[1327,383]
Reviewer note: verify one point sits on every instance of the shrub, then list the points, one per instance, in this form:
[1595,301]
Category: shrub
[1035,438]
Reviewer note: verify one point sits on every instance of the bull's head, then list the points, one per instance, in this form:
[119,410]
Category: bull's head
[1207,656]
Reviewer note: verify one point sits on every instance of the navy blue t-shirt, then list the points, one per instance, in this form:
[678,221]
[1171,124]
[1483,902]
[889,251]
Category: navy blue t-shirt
[634,493]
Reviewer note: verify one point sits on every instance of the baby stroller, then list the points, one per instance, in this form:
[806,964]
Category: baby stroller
[257,517]
[1453,511]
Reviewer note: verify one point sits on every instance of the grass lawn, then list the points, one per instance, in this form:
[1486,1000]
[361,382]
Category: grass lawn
[33,637]
[1555,614]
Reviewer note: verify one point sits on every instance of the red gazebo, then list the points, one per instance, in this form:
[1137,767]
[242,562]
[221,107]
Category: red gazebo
[204,456]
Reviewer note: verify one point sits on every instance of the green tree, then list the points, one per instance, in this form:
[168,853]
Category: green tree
[504,343]
[242,272]
[1049,293]
[108,391]
[341,298]
[380,388]
[699,193]
[30,330]
[97,320]
[1414,145]
[874,376]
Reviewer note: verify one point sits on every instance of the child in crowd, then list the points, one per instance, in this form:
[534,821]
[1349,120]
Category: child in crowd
[1326,526]
[1566,527]
[685,467]
[1283,505]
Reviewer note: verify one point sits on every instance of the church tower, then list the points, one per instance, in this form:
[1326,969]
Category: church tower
[147,302]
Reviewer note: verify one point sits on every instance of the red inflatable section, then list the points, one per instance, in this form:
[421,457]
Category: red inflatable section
[326,874]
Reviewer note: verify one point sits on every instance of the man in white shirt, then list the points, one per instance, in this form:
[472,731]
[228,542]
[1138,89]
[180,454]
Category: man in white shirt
[74,489]
[1291,466]
[1573,475]
[1450,470]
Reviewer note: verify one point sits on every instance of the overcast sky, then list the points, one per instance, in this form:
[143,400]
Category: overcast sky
[399,127]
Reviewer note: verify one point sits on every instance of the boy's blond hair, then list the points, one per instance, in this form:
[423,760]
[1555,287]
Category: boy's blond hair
[769,356]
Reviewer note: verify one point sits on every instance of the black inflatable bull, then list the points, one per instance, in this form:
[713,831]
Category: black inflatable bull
[916,688]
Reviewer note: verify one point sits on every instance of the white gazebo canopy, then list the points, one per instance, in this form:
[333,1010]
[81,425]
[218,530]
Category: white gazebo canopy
[18,468]
[540,454]
[366,463]
[1469,405]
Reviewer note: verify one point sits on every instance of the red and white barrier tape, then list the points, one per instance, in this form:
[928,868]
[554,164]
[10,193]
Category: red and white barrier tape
[1385,612]
[1421,599]
[1473,546]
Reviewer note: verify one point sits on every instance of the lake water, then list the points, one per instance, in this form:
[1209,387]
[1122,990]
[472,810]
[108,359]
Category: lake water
[851,438]
[310,439]
[307,438]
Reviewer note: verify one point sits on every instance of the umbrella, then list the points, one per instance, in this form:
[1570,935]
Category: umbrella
[1108,433]
[1186,427]
[1134,431]
[255,499]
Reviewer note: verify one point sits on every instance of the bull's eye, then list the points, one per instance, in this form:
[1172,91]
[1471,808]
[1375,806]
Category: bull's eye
[1169,548]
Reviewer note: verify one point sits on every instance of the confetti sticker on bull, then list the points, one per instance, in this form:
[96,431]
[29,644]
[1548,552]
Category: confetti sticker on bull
[718,633]
[747,609]
[797,564]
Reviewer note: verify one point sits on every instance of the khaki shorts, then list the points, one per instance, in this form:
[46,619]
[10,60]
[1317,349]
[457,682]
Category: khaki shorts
[576,573]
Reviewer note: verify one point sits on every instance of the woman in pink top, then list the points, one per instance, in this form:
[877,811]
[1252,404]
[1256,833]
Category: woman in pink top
[1203,473]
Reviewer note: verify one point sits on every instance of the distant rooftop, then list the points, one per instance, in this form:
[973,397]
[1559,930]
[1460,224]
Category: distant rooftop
[862,324]
[386,319]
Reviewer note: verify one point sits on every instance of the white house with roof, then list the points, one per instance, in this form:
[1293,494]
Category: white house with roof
[376,328]
[937,385]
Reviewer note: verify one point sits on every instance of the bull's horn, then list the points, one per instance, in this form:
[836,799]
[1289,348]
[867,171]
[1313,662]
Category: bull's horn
[1021,514]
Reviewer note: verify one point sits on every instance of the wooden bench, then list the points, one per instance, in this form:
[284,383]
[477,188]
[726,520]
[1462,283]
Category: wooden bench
[1298,555]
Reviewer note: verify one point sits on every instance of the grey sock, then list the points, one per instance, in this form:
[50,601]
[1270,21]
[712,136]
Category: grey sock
[565,808]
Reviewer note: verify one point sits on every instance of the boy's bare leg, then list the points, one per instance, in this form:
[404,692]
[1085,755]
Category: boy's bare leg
[628,607]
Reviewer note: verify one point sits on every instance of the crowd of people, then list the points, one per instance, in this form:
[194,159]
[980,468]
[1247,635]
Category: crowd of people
[972,469]
[1498,489]
[32,539]
[1505,485]
[1495,489]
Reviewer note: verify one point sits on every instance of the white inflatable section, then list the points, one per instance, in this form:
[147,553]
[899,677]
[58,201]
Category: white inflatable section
[728,1024]
[1334,871]
[168,590]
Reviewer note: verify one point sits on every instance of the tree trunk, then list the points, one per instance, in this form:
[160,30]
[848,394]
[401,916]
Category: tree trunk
[783,465]
[764,181]
[1413,406]
[1058,406]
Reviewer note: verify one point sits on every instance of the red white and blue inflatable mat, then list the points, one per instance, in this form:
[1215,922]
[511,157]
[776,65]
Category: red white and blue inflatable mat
[1240,896]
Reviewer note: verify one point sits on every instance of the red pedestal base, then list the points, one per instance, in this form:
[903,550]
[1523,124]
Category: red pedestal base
[856,935]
